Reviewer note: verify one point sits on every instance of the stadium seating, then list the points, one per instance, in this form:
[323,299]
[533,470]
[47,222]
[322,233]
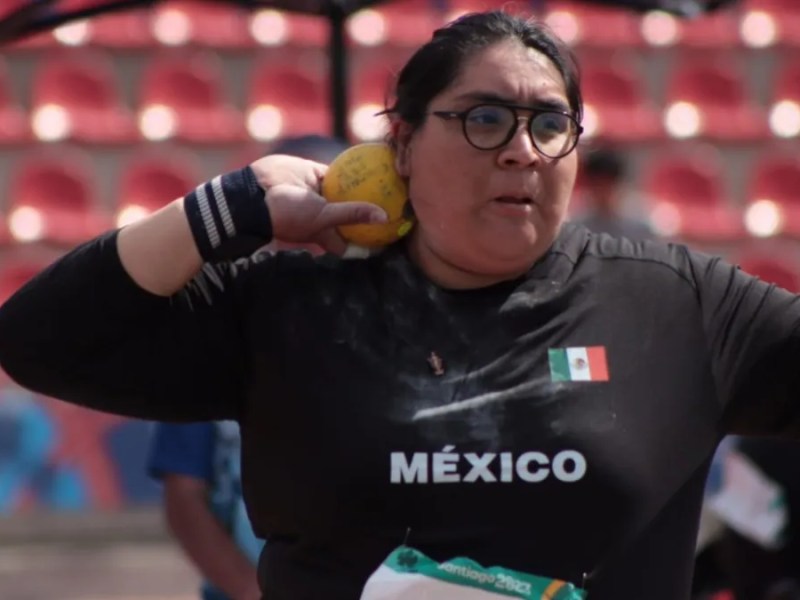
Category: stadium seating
[123,31]
[152,179]
[169,75]
[586,24]
[75,96]
[5,236]
[405,23]
[192,22]
[773,195]
[371,90]
[770,22]
[709,98]
[285,99]
[14,125]
[719,29]
[53,198]
[275,28]
[183,96]
[784,110]
[686,189]
[127,30]
[616,105]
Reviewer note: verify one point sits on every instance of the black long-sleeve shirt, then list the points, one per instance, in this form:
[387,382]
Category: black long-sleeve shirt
[558,424]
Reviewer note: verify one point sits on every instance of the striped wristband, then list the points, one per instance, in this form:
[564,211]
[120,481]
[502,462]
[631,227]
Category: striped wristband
[228,216]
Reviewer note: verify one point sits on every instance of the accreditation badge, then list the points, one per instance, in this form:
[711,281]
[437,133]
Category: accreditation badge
[408,574]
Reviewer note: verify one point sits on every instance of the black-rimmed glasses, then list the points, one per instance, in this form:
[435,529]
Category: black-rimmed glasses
[490,126]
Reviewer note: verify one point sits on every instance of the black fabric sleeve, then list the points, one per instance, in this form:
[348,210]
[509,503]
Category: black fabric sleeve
[753,332]
[84,332]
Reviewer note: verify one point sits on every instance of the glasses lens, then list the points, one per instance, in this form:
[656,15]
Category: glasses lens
[487,127]
[554,133]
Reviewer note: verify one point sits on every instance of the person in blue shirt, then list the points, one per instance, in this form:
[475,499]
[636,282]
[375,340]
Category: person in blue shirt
[199,466]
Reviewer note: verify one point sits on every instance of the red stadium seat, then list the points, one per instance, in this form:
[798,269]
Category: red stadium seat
[53,199]
[371,89]
[75,96]
[719,29]
[213,24]
[271,27]
[395,23]
[286,99]
[183,96]
[457,8]
[5,235]
[617,107]
[709,99]
[581,24]
[151,180]
[127,29]
[784,115]
[688,200]
[773,195]
[769,22]
[14,125]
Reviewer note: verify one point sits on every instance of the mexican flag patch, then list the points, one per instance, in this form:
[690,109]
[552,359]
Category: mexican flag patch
[584,363]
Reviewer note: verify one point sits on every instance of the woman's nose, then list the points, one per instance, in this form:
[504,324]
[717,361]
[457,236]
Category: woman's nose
[520,151]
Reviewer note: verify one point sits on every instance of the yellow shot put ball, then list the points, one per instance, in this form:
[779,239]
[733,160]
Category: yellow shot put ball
[366,173]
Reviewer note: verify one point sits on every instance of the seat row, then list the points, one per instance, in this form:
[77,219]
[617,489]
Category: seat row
[754,23]
[54,194]
[77,96]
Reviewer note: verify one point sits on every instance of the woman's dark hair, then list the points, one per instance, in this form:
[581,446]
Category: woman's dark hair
[437,64]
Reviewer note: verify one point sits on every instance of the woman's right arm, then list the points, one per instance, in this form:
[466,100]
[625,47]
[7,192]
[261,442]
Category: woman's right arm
[142,247]
[133,323]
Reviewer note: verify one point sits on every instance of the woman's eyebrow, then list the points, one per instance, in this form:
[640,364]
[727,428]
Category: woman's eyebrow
[556,104]
[482,96]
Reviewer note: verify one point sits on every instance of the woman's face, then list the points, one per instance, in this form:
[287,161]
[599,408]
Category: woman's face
[487,214]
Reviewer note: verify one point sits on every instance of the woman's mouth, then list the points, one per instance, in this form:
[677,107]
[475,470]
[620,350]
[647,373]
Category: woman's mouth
[513,206]
[514,200]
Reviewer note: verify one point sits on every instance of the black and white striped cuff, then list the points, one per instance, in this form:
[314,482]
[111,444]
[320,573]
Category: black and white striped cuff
[228,216]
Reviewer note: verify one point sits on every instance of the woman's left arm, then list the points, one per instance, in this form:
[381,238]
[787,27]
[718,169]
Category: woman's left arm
[753,332]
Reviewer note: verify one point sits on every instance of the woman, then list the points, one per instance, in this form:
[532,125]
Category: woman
[502,387]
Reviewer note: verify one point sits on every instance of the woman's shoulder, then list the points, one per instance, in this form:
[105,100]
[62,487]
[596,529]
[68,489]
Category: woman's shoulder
[622,254]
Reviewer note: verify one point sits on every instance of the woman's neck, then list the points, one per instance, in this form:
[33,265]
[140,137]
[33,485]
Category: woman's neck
[447,275]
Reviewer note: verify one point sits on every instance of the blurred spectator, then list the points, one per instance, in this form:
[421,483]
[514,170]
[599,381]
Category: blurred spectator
[758,567]
[753,506]
[604,199]
[199,465]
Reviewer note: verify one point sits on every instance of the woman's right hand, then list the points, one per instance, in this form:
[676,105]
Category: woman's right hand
[298,211]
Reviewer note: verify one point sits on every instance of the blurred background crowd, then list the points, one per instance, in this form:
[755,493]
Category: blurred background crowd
[692,133]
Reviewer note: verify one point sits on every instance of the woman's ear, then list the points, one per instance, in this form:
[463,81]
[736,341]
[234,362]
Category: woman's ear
[401,134]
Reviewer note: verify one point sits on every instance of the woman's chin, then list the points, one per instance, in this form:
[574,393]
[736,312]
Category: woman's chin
[518,248]
[514,239]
